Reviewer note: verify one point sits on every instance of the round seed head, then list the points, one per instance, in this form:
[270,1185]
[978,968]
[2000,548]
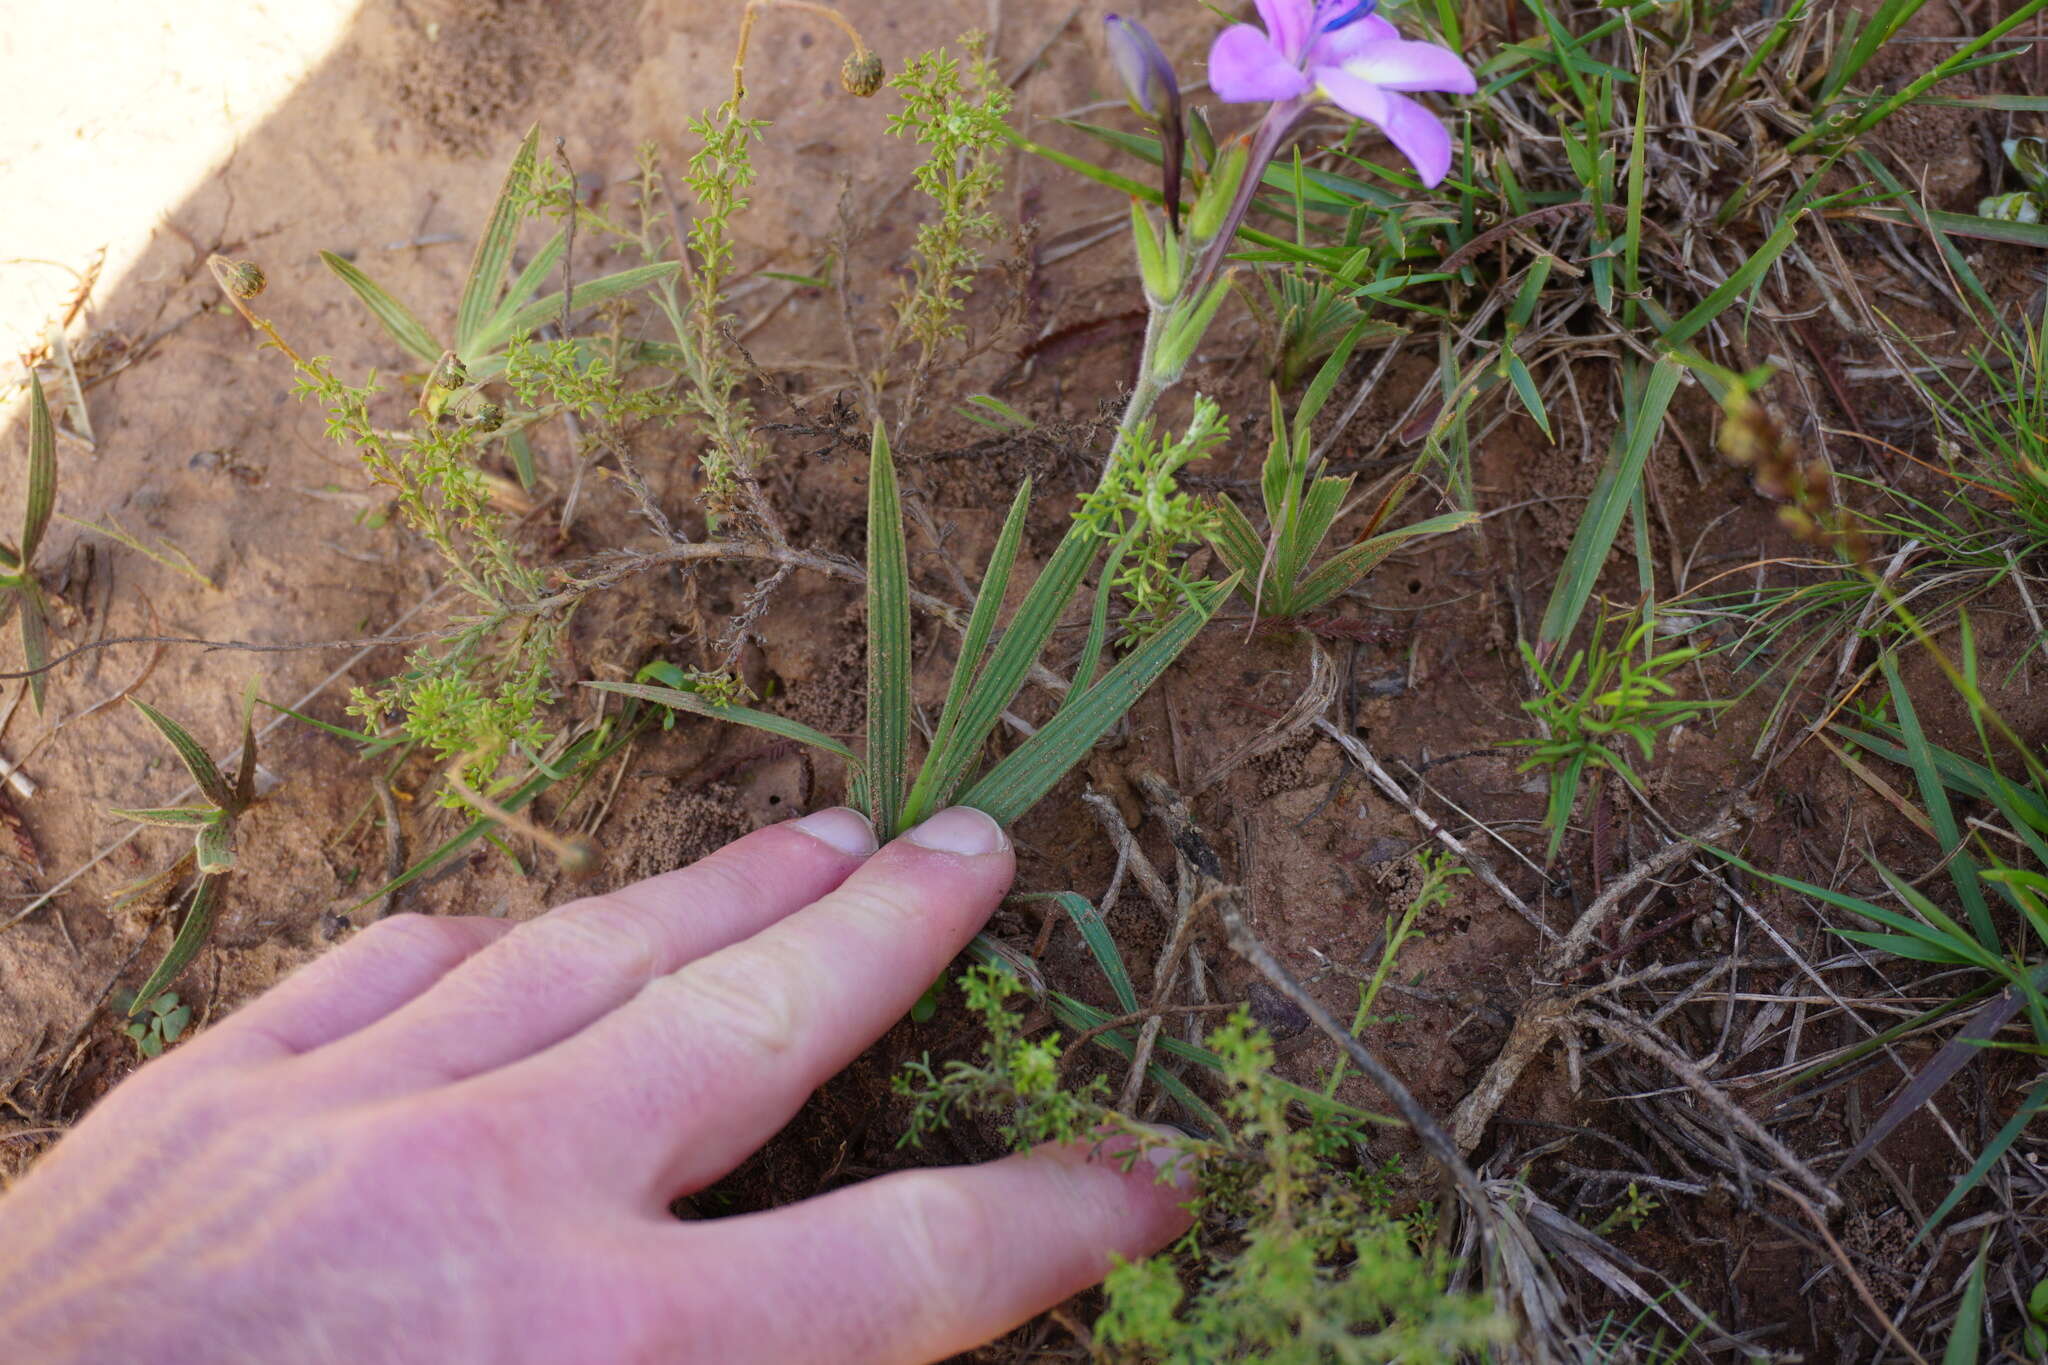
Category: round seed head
[861,73]
[243,279]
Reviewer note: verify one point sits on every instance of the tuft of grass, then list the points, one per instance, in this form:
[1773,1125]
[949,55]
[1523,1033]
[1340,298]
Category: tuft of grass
[986,678]
[212,825]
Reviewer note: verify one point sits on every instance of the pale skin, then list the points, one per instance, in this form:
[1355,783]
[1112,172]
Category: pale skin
[454,1139]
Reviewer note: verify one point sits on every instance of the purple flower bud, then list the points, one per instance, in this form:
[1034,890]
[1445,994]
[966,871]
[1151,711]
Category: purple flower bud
[1143,67]
[1149,78]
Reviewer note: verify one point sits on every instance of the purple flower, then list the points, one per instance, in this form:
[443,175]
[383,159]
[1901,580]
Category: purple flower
[1340,51]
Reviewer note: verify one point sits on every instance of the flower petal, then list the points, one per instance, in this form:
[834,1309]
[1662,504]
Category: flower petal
[1420,136]
[1244,67]
[1287,22]
[1397,64]
[1359,98]
[1330,49]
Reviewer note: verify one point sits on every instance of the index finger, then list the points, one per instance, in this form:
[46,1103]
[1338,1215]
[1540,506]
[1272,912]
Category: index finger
[679,1084]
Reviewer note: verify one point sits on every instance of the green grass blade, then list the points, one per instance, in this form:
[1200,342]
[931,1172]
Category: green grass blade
[42,472]
[1962,870]
[1017,783]
[405,329]
[1611,497]
[693,702]
[197,761]
[1738,283]
[496,333]
[1967,1335]
[2035,1102]
[888,597]
[494,248]
[1102,946]
[1532,397]
[191,936]
[981,624]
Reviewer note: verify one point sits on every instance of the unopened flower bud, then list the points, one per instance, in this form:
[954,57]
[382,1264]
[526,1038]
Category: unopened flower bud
[1142,66]
[243,279]
[861,73]
[1212,205]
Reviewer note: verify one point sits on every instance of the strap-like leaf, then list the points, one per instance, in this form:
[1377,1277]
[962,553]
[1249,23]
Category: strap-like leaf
[405,329]
[496,333]
[42,472]
[197,761]
[245,768]
[981,624]
[35,640]
[1010,663]
[738,715]
[888,599]
[1320,504]
[1236,539]
[1102,946]
[529,282]
[1017,783]
[1098,622]
[1340,571]
[191,935]
[173,817]
[213,848]
[494,248]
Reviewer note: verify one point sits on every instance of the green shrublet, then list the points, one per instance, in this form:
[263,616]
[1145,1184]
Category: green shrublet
[1296,1254]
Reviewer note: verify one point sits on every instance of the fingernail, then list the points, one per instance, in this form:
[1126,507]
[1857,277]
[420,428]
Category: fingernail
[1175,1161]
[961,829]
[842,828]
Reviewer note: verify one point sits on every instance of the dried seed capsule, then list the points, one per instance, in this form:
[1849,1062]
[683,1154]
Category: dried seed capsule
[861,73]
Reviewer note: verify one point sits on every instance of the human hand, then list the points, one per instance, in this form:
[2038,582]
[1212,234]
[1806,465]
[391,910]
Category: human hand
[454,1140]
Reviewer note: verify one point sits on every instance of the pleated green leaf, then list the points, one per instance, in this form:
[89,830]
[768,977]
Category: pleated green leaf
[42,472]
[498,331]
[680,700]
[197,761]
[1102,946]
[1341,570]
[529,282]
[981,624]
[1010,662]
[174,817]
[405,329]
[1018,782]
[35,640]
[191,935]
[1237,540]
[888,760]
[494,248]
[1098,624]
